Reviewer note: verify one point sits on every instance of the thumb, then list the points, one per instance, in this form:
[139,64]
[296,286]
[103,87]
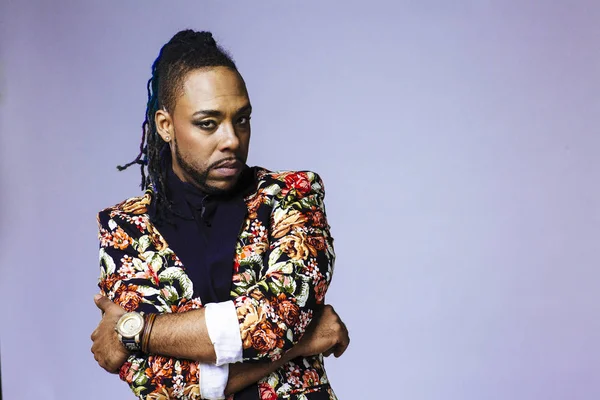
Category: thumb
[102,302]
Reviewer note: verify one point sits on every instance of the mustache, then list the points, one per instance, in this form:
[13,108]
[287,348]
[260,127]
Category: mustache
[223,161]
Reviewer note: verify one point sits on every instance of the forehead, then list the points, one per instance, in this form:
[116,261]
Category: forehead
[217,88]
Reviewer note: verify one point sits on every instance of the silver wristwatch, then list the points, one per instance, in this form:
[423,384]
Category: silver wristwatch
[129,329]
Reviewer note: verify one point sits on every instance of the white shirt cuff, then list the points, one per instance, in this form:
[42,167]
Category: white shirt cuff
[224,331]
[213,381]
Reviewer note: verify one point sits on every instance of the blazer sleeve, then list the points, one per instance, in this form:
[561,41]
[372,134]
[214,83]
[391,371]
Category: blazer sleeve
[274,312]
[135,281]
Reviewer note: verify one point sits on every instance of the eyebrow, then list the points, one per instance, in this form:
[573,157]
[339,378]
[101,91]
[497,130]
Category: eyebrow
[217,113]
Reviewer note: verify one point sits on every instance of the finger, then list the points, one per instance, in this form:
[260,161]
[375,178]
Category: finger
[110,368]
[340,348]
[102,302]
[345,332]
[328,352]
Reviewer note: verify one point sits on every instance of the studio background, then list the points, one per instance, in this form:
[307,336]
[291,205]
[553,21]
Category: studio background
[458,142]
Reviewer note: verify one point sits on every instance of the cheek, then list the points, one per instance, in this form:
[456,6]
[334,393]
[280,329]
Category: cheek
[196,146]
[245,139]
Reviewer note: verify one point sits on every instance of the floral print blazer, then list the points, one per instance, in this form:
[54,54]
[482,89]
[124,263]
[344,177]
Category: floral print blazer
[282,267]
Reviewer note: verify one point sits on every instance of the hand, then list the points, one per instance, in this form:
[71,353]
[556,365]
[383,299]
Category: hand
[326,334]
[107,348]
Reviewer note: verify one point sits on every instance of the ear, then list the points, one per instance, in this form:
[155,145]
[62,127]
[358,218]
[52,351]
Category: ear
[164,124]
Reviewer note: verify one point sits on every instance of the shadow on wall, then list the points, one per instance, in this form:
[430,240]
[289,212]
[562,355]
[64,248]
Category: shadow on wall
[2,183]
[0,376]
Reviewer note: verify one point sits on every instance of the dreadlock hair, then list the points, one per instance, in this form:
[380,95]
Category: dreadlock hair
[186,51]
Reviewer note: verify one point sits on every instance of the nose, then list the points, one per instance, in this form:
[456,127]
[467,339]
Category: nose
[229,140]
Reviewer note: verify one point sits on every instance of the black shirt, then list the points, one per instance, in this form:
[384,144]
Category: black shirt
[203,230]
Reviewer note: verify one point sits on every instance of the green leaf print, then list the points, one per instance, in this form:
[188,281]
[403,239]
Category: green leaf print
[273,380]
[177,274]
[171,294]
[302,295]
[109,264]
[147,290]
[275,255]
[143,243]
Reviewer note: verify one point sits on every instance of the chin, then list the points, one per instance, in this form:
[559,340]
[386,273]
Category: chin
[221,186]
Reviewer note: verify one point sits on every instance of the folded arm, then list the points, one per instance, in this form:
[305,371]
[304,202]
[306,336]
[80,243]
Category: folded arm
[150,373]
[265,320]
[274,310]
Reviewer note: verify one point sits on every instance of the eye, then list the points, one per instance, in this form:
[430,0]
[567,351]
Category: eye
[245,120]
[206,124]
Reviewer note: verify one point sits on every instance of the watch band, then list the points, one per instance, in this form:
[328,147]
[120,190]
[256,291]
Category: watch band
[131,344]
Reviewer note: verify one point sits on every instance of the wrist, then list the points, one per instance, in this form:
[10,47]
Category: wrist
[294,352]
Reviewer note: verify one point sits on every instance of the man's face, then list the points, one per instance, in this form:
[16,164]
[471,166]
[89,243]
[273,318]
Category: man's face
[210,129]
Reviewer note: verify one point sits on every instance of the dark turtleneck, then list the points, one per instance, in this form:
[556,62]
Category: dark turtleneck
[203,231]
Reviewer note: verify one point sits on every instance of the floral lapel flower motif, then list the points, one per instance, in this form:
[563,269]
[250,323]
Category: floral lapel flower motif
[266,337]
[297,246]
[254,202]
[320,290]
[107,284]
[187,305]
[283,223]
[318,243]
[156,238]
[299,182]
[127,268]
[317,218]
[287,309]
[128,297]
[310,378]
[121,239]
[160,368]
[266,392]
[292,375]
[140,222]
[106,238]
[136,205]
[127,371]
[192,371]
[249,316]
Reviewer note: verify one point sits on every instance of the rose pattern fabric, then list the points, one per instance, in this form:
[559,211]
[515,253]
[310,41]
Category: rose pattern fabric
[282,267]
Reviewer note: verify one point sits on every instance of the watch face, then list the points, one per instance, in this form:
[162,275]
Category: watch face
[130,324]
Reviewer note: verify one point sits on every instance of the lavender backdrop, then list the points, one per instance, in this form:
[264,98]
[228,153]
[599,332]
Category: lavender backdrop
[458,142]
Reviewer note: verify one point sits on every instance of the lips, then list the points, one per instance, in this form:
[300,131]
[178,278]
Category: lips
[230,164]
[228,168]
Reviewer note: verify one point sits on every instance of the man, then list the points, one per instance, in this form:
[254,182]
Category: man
[213,281]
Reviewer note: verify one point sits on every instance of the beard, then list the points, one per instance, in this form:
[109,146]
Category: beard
[199,177]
